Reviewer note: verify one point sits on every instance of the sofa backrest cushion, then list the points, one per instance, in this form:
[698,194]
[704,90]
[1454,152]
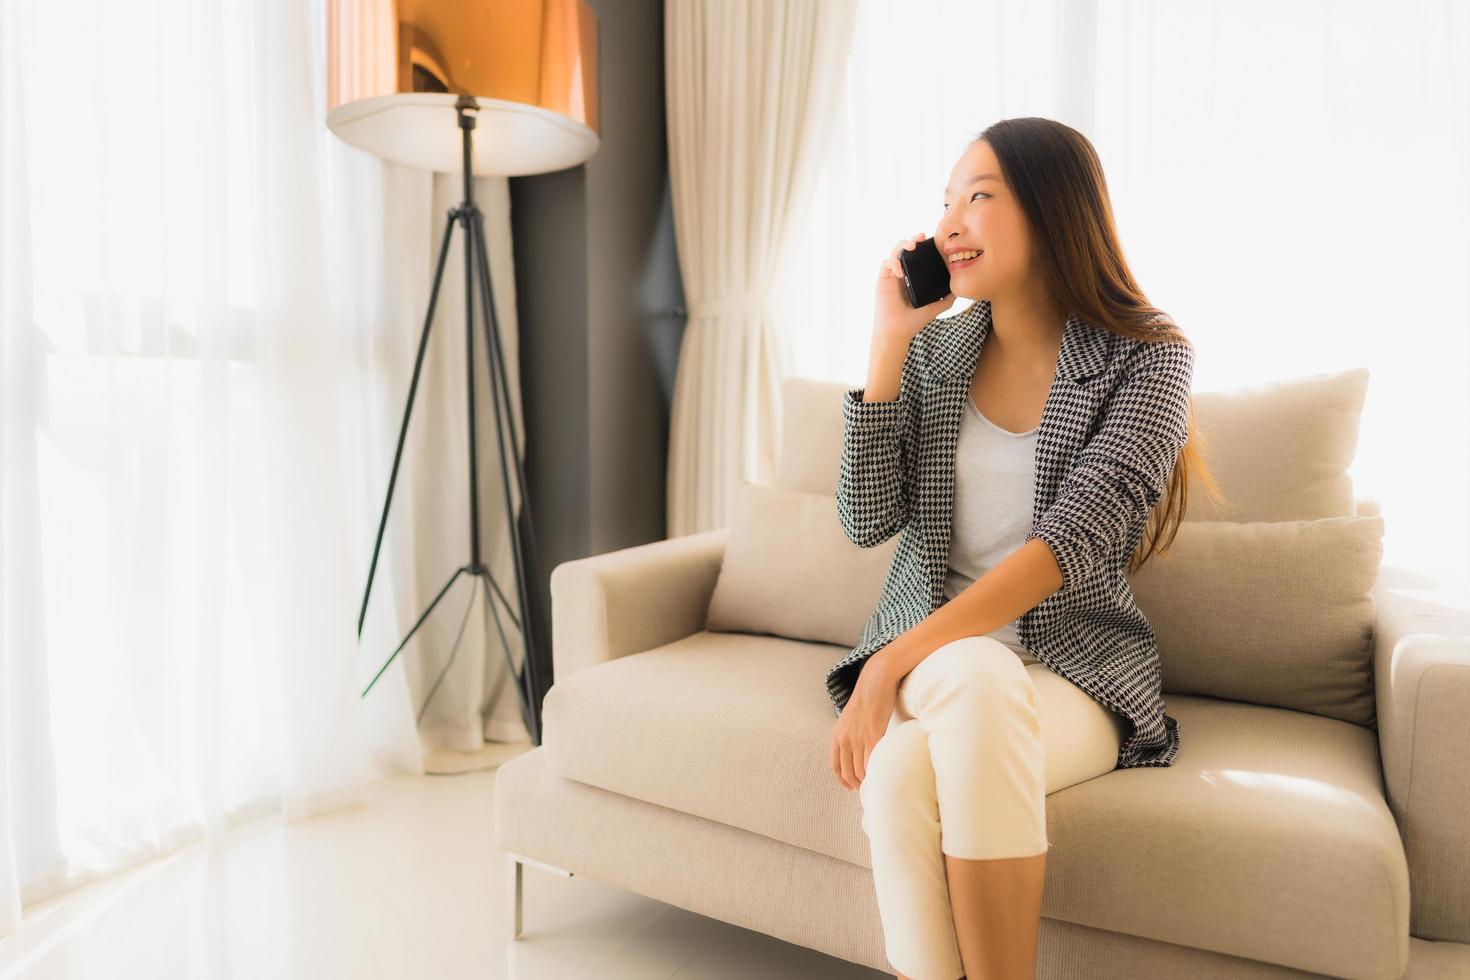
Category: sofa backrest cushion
[811,435]
[1279,451]
[789,570]
[1276,613]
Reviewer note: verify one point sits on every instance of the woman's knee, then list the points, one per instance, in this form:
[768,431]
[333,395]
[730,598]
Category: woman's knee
[980,671]
[899,768]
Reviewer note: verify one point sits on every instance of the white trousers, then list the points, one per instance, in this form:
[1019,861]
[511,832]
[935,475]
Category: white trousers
[977,739]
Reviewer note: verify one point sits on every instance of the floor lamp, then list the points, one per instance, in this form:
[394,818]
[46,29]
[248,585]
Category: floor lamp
[411,81]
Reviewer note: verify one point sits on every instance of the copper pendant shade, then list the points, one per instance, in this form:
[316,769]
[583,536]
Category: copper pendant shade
[396,67]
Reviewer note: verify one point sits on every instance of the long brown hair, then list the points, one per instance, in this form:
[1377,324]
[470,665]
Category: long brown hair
[1058,179]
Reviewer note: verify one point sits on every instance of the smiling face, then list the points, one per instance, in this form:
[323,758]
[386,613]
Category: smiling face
[983,214]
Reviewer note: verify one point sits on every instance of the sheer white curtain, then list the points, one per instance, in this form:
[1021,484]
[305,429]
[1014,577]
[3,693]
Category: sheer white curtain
[208,309]
[750,90]
[1289,182]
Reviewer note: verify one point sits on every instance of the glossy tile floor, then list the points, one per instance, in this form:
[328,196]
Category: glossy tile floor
[408,885]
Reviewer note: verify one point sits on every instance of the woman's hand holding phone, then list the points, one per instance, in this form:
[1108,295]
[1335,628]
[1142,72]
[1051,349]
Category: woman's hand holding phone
[892,314]
[895,323]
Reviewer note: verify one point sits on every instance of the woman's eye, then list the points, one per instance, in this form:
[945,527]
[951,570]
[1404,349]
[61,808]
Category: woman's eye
[945,207]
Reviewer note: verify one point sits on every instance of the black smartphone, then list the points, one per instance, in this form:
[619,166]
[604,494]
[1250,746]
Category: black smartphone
[925,273]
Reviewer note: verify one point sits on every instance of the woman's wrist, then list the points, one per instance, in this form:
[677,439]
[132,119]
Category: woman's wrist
[884,663]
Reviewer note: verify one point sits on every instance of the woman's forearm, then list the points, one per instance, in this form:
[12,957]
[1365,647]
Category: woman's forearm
[885,370]
[1014,586]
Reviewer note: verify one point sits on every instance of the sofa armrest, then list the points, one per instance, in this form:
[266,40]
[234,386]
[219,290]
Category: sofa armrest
[1421,666]
[626,601]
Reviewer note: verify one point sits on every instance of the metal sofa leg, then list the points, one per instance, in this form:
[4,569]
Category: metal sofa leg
[515,883]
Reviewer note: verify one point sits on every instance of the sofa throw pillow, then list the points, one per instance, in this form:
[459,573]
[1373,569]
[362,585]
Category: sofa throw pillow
[1272,612]
[789,570]
[1280,450]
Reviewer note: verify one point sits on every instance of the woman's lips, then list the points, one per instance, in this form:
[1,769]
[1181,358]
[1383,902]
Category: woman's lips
[960,265]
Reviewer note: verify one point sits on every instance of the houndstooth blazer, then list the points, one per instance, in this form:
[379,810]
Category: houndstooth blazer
[1111,431]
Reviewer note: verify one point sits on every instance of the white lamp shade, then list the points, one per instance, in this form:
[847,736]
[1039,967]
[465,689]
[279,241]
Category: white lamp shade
[397,67]
[510,138]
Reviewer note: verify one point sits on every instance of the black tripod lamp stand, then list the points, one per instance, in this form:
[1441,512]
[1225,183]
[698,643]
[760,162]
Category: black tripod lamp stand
[408,126]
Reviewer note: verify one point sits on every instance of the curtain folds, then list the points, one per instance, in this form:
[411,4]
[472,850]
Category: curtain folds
[750,90]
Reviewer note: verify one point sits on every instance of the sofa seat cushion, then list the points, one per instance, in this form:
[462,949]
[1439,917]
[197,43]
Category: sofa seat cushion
[1268,838]
[735,727]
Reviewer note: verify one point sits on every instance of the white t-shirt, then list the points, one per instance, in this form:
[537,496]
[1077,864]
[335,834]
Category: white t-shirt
[994,491]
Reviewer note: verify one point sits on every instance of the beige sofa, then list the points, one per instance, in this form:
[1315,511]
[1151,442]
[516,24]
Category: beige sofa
[692,766]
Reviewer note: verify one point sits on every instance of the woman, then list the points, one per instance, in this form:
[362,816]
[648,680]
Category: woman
[1023,447]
